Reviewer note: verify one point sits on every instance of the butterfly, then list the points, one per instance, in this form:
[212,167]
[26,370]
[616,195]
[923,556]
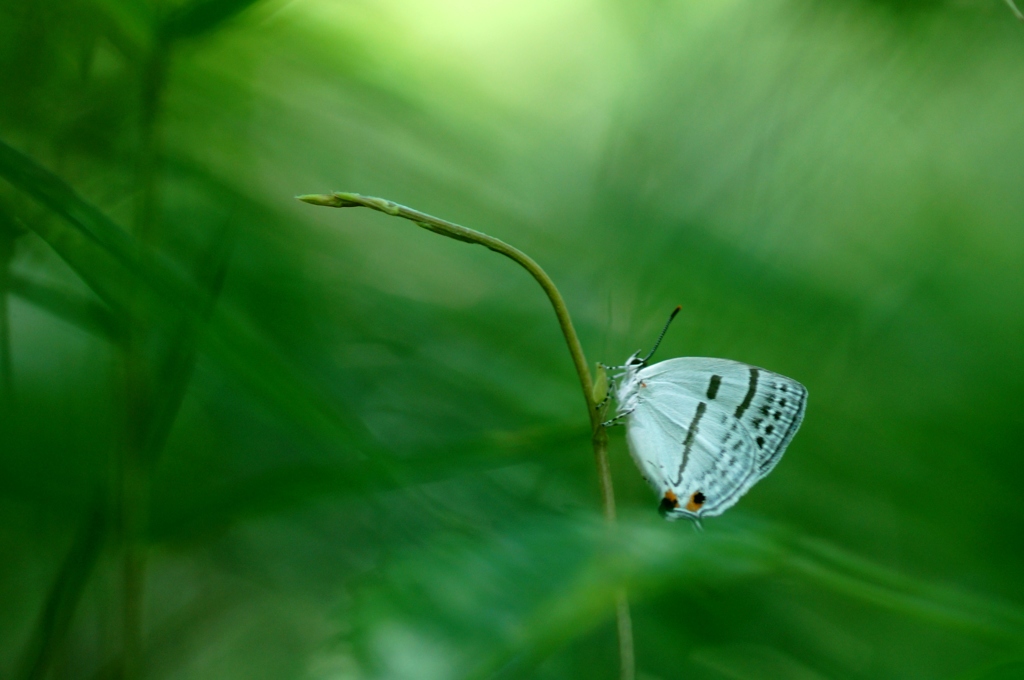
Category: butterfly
[703,431]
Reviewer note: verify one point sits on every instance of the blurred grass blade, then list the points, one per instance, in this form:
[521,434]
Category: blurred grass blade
[1016,10]
[203,509]
[128,25]
[202,16]
[226,337]
[648,560]
[464,586]
[51,191]
[752,662]
[1005,669]
[861,579]
[64,595]
[89,315]
[7,236]
[174,369]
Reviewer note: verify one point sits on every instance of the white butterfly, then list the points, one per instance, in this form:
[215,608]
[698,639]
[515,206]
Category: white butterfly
[703,431]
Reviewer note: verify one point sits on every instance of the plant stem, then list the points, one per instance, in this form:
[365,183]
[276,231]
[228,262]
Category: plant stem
[598,436]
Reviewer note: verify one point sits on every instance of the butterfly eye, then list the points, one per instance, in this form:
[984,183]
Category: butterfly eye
[669,502]
[695,502]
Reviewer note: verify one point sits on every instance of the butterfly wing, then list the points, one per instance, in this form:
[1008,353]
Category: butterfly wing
[654,441]
[683,446]
[730,424]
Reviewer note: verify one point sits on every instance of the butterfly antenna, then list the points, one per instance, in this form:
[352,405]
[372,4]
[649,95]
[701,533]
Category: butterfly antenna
[663,331]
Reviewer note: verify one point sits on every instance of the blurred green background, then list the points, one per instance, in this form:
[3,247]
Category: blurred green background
[244,437]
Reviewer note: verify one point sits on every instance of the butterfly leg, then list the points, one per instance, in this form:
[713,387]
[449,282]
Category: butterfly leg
[613,371]
[617,420]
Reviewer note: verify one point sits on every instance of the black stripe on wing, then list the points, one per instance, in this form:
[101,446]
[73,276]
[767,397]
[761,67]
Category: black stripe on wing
[716,382]
[751,392]
[691,435]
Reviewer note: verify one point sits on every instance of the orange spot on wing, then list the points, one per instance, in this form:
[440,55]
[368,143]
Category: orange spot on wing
[696,501]
[669,502]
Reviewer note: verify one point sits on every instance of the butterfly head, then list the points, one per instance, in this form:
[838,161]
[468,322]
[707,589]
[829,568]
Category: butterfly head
[635,362]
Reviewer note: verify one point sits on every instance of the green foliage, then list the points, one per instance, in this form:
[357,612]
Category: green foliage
[347,448]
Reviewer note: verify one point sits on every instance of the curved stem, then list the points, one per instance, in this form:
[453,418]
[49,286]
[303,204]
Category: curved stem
[598,436]
[455,231]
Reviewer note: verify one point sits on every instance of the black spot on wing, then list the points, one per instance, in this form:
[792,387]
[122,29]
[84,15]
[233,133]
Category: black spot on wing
[785,418]
[668,504]
[797,416]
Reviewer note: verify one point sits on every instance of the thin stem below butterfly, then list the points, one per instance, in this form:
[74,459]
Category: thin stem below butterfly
[599,437]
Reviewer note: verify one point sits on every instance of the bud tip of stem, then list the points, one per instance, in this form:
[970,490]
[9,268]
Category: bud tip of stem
[317,199]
